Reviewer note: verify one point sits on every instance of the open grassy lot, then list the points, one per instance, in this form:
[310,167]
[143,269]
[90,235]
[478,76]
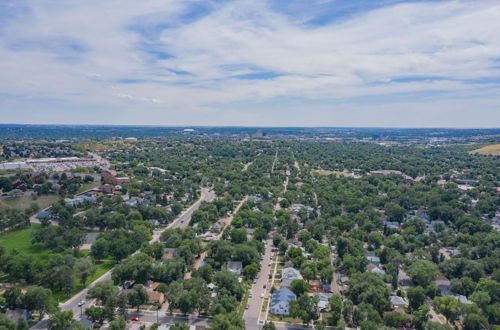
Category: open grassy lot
[88,186]
[493,149]
[23,202]
[20,240]
[102,267]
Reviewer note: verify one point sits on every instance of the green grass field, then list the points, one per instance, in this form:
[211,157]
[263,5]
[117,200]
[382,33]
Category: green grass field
[22,203]
[102,268]
[88,186]
[20,240]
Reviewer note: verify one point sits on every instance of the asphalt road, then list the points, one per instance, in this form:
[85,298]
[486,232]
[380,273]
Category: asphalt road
[253,317]
[165,318]
[252,314]
[181,221]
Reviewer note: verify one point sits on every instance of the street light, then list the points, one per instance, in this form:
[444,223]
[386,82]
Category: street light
[81,303]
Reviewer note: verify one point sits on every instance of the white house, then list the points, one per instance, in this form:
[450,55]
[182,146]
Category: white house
[234,267]
[288,275]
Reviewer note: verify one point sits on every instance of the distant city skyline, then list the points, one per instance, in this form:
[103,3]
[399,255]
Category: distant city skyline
[253,63]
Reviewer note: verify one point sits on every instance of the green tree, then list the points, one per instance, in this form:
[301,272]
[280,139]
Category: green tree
[85,268]
[251,270]
[96,314]
[421,317]
[394,319]
[103,291]
[416,297]
[449,306]
[38,299]
[118,324]
[335,303]
[137,296]
[269,326]
[370,289]
[304,308]
[423,272]
[13,297]
[61,320]
[173,294]
[299,287]
[230,321]
[6,323]
[474,321]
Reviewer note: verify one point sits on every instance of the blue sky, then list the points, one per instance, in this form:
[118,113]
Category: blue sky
[251,62]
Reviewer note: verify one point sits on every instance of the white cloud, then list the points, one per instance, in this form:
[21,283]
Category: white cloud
[106,62]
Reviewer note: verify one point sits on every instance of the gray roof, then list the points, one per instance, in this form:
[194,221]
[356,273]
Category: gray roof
[397,300]
[282,295]
[291,273]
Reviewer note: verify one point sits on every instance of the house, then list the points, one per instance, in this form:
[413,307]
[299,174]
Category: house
[463,299]
[398,302]
[234,267]
[154,296]
[327,287]
[18,184]
[44,214]
[155,285]
[167,256]
[295,208]
[16,314]
[392,225]
[217,227]
[403,279]
[288,275]
[254,198]
[280,301]
[107,188]
[372,258]
[323,300]
[444,285]
[379,272]
[168,253]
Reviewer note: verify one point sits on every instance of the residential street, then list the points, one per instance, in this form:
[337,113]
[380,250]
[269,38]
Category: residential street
[181,221]
[252,316]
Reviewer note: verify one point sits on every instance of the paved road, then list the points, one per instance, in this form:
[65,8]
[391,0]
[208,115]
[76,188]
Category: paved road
[181,221]
[165,318]
[252,314]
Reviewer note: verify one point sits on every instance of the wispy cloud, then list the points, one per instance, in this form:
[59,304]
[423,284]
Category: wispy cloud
[222,59]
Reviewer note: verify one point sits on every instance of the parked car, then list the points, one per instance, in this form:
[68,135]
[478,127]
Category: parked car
[247,306]
[254,281]
[262,295]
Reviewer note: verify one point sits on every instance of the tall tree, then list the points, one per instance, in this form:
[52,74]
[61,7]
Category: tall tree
[138,296]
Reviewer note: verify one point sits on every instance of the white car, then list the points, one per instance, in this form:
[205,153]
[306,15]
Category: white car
[81,303]
[262,295]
